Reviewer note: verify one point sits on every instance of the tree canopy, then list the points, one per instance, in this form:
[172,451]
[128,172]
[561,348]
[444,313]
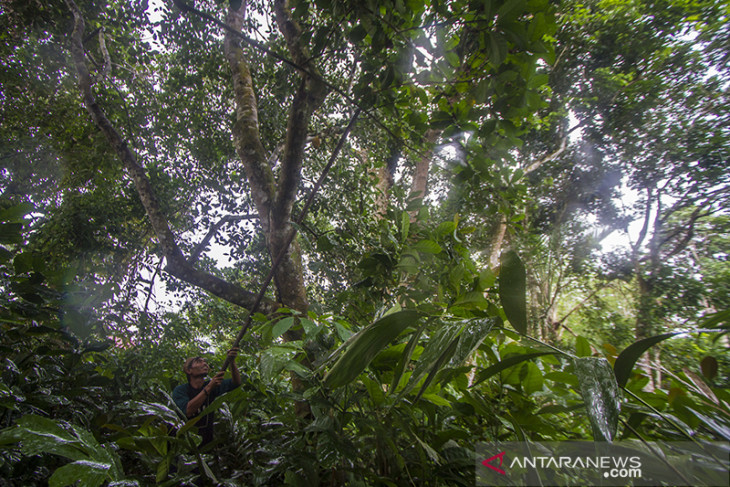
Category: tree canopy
[398,209]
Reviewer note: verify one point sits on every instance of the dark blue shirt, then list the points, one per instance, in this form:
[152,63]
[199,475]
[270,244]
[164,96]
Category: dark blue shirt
[182,395]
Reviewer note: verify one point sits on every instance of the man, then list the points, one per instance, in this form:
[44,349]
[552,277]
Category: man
[198,393]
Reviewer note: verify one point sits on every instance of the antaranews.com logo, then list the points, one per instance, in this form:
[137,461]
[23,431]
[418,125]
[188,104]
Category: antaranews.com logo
[611,466]
[595,463]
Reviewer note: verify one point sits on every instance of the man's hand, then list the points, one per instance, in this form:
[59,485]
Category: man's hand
[233,353]
[215,381]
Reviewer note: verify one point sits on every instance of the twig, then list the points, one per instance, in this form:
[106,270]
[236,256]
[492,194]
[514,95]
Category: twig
[212,231]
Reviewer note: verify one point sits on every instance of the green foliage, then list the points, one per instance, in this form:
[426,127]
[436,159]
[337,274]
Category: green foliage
[625,361]
[91,463]
[366,344]
[601,395]
[402,360]
[505,364]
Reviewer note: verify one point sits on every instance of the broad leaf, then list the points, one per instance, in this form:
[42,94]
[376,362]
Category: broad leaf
[601,395]
[86,472]
[405,358]
[625,361]
[427,247]
[157,410]
[709,367]
[16,214]
[533,379]
[444,340]
[512,290]
[40,435]
[505,364]
[445,356]
[583,347]
[473,335]
[282,326]
[366,345]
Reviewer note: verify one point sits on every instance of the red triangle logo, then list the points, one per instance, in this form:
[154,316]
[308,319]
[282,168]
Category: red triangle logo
[487,463]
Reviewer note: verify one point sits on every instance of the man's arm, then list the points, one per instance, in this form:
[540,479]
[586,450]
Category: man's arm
[197,402]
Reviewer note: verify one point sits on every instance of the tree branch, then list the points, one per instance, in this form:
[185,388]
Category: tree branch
[290,238]
[185,8]
[176,263]
[419,185]
[690,226]
[292,35]
[647,217]
[144,188]
[213,231]
[152,286]
[535,165]
[309,96]
[107,68]
[246,129]
[274,207]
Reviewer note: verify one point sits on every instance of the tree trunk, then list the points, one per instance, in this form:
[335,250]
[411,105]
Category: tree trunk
[385,177]
[419,186]
[495,248]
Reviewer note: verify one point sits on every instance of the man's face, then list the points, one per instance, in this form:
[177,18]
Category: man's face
[199,368]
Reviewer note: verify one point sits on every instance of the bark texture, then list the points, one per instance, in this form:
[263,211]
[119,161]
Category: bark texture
[274,200]
[419,186]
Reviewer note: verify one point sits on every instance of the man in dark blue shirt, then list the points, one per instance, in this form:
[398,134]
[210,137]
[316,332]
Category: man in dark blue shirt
[198,393]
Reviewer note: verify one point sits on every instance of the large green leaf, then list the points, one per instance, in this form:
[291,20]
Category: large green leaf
[505,364]
[442,342]
[282,326]
[601,395]
[39,435]
[625,361]
[88,473]
[366,345]
[92,464]
[512,290]
[405,358]
[157,410]
[452,344]
[436,366]
[582,347]
[533,380]
[16,214]
[474,333]
[274,359]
